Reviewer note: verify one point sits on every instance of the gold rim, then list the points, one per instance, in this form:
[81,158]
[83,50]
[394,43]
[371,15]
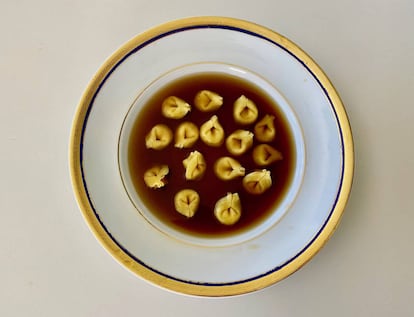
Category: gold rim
[161,280]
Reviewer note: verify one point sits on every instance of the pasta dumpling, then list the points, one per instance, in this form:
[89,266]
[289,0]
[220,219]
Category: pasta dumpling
[206,100]
[195,166]
[227,168]
[186,202]
[155,177]
[257,182]
[228,209]
[264,155]
[159,137]
[212,133]
[239,142]
[244,111]
[186,135]
[175,108]
[265,130]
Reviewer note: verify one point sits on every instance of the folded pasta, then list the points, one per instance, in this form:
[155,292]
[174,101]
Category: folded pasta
[175,108]
[227,168]
[212,133]
[228,209]
[186,202]
[159,137]
[245,111]
[257,182]
[195,166]
[206,101]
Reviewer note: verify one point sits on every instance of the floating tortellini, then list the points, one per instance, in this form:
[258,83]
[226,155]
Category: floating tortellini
[195,166]
[244,111]
[186,202]
[186,135]
[228,209]
[211,132]
[239,142]
[265,130]
[206,101]
[175,108]
[156,176]
[257,182]
[264,155]
[227,168]
[159,137]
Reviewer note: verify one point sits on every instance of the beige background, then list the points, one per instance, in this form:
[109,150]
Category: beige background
[51,264]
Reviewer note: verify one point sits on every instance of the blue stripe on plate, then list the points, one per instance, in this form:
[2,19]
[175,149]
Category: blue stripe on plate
[136,49]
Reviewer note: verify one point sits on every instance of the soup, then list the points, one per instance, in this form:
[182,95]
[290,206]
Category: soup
[255,207]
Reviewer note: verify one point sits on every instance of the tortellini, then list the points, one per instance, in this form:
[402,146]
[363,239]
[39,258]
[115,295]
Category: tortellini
[264,155]
[265,130]
[227,168]
[206,101]
[228,209]
[212,133]
[257,182]
[239,142]
[175,108]
[245,111]
[241,158]
[159,137]
[186,135]
[186,202]
[155,177]
[195,166]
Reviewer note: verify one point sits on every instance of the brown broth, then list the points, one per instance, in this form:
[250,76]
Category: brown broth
[255,208]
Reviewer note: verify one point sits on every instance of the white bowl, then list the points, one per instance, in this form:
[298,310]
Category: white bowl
[199,266]
[234,71]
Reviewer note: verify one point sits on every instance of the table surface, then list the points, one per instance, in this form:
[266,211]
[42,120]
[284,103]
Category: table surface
[52,265]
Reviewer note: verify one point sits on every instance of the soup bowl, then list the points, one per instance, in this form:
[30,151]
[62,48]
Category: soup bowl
[128,175]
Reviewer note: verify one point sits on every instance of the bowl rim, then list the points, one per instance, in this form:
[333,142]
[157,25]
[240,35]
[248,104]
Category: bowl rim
[154,277]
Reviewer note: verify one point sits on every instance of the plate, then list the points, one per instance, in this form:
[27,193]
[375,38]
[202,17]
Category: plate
[229,267]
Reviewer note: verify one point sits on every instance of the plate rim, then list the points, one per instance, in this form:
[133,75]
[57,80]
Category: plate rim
[123,257]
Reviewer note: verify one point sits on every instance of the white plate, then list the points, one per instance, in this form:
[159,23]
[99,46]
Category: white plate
[230,268]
